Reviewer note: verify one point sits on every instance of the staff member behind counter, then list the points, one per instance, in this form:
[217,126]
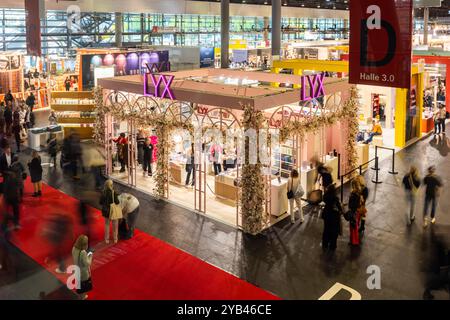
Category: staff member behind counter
[130,211]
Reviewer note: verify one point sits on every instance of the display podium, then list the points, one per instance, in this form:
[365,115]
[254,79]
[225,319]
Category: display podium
[278,197]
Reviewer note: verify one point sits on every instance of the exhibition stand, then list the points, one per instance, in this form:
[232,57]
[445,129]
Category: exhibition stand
[211,101]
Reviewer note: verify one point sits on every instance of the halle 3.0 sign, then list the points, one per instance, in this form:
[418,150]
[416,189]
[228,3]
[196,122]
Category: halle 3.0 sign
[380,42]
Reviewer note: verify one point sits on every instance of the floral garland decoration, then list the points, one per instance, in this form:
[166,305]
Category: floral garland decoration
[101,110]
[348,112]
[252,194]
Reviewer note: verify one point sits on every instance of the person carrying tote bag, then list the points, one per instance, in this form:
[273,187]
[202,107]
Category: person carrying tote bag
[111,210]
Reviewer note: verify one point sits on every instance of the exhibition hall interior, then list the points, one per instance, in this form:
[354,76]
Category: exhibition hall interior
[224,150]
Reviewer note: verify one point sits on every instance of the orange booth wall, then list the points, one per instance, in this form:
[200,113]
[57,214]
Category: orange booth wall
[439,60]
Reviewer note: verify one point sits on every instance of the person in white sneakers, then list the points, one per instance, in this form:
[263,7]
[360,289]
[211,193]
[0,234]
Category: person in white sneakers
[294,194]
[432,183]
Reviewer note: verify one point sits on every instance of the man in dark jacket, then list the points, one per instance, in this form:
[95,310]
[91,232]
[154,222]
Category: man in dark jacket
[11,188]
[432,183]
[148,157]
[6,159]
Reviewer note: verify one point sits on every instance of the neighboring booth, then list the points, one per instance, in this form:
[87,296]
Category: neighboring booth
[124,62]
[211,101]
[11,74]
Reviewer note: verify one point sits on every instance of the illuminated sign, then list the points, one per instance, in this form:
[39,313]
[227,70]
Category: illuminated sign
[157,80]
[316,88]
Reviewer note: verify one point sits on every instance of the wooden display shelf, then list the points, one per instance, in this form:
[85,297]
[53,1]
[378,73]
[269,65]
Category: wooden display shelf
[83,132]
[75,120]
[72,95]
[73,107]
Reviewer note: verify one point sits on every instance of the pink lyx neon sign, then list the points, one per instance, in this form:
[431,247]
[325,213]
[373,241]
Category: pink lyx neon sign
[316,88]
[157,79]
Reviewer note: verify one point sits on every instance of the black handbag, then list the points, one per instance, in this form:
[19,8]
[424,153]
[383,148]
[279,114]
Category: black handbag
[348,215]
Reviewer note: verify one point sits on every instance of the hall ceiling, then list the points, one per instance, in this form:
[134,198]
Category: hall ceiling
[338,5]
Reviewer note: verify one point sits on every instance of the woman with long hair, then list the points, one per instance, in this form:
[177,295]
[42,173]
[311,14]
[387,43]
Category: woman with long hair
[35,168]
[83,259]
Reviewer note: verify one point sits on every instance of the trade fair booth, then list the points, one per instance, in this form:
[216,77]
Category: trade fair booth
[214,109]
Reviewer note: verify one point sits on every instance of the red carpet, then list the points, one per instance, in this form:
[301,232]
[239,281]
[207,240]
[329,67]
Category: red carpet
[141,268]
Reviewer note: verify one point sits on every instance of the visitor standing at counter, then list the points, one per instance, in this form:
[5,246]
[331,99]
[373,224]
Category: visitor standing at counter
[442,117]
[294,194]
[147,157]
[140,141]
[190,166]
[216,157]
[122,150]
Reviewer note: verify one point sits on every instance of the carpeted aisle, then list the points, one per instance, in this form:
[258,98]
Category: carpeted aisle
[141,268]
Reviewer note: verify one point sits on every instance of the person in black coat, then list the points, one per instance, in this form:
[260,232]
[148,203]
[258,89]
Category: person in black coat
[6,158]
[16,129]
[35,168]
[11,191]
[147,158]
[31,100]
[8,114]
[331,216]
[9,97]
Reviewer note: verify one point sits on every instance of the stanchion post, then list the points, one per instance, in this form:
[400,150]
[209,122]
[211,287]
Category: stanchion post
[376,162]
[393,163]
[376,172]
[342,189]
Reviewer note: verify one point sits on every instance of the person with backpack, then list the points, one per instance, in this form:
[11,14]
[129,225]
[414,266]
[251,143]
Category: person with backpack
[294,194]
[411,183]
[331,216]
[432,184]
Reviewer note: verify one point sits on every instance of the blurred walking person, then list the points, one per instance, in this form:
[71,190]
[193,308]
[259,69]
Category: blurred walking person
[432,185]
[52,148]
[19,170]
[11,187]
[411,183]
[57,231]
[331,216]
[83,259]
[109,201]
[35,169]
[8,114]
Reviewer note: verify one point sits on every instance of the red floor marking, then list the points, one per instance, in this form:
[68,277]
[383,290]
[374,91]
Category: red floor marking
[140,268]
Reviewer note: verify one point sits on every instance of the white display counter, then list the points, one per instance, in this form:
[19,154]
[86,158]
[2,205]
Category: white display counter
[38,141]
[278,197]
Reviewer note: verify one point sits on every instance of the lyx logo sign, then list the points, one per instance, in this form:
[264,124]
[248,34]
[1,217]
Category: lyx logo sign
[158,81]
[316,88]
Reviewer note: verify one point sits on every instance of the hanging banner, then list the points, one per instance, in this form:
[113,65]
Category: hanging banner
[380,42]
[33,27]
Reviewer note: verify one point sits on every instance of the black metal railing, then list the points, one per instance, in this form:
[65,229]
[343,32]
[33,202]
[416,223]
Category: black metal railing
[377,168]
[360,169]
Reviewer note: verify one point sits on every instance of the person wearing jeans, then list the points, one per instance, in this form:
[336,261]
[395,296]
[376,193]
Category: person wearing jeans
[411,183]
[432,183]
[294,186]
[108,197]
